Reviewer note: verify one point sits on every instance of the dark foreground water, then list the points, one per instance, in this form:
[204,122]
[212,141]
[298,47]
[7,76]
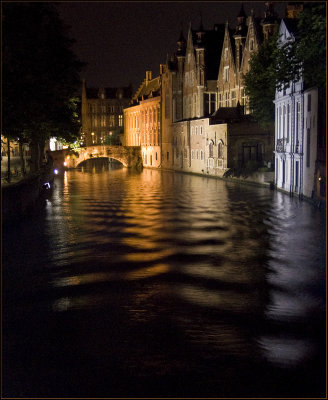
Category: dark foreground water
[163,285]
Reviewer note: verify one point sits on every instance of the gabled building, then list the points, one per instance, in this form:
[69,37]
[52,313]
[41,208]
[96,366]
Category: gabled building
[200,68]
[238,46]
[143,121]
[297,154]
[102,114]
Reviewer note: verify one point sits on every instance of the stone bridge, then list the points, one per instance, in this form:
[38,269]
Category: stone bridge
[129,156]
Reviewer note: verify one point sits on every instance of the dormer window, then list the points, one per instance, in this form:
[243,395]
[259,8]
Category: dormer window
[251,45]
[226,53]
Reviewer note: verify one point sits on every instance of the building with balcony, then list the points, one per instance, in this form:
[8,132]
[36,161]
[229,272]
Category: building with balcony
[296,130]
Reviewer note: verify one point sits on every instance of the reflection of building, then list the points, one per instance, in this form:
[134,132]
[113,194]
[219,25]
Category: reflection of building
[102,114]
[299,161]
[143,121]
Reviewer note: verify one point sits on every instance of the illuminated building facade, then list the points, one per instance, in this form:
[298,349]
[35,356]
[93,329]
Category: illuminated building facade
[238,46]
[205,123]
[299,160]
[102,114]
[143,121]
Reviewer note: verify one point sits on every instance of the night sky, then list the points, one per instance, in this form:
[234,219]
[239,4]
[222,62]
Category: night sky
[121,40]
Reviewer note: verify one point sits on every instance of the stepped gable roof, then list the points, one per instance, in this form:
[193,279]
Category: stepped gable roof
[258,28]
[110,93]
[148,89]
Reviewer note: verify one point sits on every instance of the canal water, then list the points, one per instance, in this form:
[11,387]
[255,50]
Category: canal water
[160,284]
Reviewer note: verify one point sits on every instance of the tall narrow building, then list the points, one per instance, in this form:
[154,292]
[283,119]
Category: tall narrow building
[102,114]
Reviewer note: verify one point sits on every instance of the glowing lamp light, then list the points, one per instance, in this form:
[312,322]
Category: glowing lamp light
[319,178]
[56,171]
[65,163]
[46,185]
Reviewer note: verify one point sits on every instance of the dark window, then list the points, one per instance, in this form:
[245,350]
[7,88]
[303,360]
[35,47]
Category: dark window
[309,102]
[308,142]
[220,150]
[250,153]
[167,155]
[206,104]
[167,106]
[296,173]
[211,150]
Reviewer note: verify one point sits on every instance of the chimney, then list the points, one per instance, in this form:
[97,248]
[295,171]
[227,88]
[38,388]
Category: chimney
[148,76]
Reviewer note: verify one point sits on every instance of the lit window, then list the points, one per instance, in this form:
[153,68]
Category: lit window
[226,74]
[120,120]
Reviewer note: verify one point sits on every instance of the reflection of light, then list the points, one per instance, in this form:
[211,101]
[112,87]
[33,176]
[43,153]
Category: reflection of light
[147,272]
[285,351]
[52,144]
[62,304]
[65,178]
[106,276]
[56,171]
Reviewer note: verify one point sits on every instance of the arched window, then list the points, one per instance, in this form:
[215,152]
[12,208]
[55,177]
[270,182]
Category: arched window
[192,154]
[211,146]
[220,150]
[201,154]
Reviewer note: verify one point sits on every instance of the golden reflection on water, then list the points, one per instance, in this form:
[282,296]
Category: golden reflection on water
[225,300]
[97,277]
[166,227]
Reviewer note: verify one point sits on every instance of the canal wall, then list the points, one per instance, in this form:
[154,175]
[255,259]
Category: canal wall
[20,198]
[265,179]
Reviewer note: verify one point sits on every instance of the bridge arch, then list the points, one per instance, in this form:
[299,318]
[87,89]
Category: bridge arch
[129,156]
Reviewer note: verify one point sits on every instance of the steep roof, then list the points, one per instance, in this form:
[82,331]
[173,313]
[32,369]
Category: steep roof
[148,89]
[212,43]
[110,92]
[227,114]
